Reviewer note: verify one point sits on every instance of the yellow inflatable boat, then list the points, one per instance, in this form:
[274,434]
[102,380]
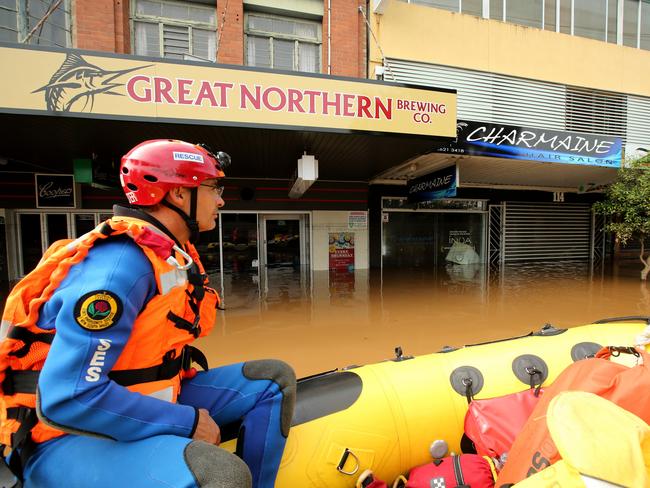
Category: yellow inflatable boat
[384,416]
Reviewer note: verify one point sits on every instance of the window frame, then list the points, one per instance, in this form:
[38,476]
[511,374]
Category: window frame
[284,37]
[162,21]
[641,6]
[22,29]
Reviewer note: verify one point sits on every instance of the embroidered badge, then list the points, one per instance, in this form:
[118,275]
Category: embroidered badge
[98,310]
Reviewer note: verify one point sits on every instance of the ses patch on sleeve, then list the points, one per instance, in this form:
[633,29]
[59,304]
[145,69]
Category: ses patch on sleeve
[98,310]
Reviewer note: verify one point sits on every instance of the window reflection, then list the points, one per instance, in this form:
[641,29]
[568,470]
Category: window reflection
[565,16]
[612,16]
[525,12]
[590,18]
[473,7]
[496,9]
[31,245]
[83,223]
[549,15]
[56,227]
[630,22]
[446,4]
[645,25]
[593,19]
[432,239]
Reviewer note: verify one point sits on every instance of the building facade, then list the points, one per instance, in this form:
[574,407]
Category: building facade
[70,151]
[551,96]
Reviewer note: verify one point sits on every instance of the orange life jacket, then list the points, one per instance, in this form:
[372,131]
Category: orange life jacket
[152,361]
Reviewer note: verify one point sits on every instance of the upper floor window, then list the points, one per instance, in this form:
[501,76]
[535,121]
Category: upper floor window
[176,30]
[624,22]
[473,7]
[20,21]
[283,43]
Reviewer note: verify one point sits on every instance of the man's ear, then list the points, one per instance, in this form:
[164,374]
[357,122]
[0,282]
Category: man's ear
[177,196]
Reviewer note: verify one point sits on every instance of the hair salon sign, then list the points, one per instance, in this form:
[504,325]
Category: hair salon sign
[55,191]
[541,145]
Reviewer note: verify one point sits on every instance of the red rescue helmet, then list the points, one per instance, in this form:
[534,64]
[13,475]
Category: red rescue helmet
[152,168]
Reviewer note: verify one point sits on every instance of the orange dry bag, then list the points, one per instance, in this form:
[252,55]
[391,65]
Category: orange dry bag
[628,387]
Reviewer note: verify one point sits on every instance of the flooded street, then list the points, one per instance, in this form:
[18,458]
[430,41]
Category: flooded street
[320,321]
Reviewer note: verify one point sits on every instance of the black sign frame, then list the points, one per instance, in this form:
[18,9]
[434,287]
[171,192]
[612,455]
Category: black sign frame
[55,190]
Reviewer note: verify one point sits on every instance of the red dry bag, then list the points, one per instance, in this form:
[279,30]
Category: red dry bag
[492,424]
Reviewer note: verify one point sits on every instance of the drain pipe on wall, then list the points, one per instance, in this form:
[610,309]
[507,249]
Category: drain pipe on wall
[329,37]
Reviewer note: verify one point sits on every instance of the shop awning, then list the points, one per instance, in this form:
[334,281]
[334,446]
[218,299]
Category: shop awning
[489,172]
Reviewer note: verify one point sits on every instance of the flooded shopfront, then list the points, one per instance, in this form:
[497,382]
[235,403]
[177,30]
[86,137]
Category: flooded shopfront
[319,321]
[433,235]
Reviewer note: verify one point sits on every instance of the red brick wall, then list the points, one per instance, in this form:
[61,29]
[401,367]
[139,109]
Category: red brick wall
[101,25]
[122,27]
[231,48]
[348,38]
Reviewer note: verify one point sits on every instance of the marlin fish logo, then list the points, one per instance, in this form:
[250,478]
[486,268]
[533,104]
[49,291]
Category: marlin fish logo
[77,80]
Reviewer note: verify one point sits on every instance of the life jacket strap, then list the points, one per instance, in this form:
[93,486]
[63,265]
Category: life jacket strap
[169,368]
[22,447]
[28,420]
[164,371]
[19,382]
[193,354]
[28,338]
[181,323]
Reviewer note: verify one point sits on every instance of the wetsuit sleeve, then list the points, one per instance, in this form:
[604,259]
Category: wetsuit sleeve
[75,392]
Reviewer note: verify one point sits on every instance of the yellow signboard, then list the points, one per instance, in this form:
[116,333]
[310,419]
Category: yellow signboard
[72,82]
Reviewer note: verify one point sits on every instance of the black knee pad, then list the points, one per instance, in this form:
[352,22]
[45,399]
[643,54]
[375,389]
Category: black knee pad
[284,376]
[214,467]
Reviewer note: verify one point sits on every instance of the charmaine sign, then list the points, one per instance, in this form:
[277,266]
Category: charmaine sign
[549,146]
[60,82]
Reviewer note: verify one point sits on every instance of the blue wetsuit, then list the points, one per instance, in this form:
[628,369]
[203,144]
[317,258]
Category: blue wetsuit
[133,439]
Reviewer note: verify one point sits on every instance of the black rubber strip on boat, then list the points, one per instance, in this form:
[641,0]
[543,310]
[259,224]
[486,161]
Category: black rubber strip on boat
[318,395]
[326,394]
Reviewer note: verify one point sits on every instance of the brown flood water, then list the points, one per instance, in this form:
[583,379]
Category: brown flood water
[321,322]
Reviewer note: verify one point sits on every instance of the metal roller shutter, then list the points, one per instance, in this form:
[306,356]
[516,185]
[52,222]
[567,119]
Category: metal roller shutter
[545,232]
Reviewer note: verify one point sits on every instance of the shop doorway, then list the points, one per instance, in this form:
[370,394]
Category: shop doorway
[450,236]
[252,255]
[285,240]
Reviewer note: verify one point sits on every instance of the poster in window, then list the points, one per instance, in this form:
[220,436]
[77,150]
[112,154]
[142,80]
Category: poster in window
[341,251]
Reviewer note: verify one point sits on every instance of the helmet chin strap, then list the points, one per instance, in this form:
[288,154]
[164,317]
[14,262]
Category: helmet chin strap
[190,221]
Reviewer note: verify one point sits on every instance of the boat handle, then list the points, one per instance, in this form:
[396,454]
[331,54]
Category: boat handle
[344,458]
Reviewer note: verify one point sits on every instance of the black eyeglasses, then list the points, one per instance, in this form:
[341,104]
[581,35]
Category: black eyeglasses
[217,189]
